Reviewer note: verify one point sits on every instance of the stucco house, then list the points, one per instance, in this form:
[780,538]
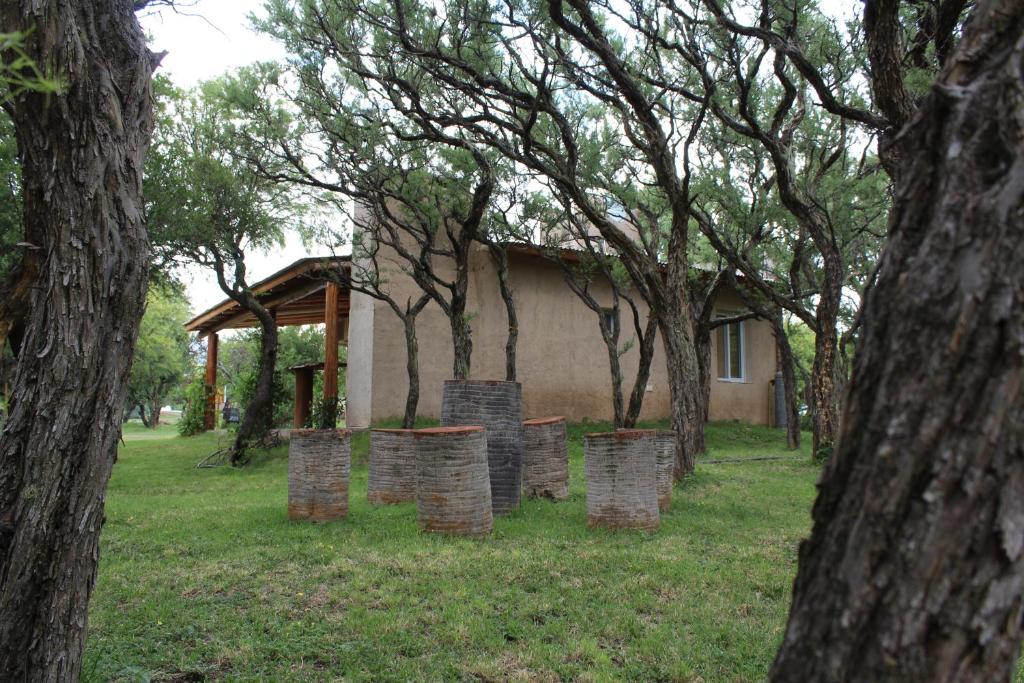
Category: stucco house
[562,361]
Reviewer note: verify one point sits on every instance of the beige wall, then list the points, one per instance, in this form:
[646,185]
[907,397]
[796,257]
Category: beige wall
[562,360]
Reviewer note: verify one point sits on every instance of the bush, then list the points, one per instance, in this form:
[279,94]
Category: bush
[193,415]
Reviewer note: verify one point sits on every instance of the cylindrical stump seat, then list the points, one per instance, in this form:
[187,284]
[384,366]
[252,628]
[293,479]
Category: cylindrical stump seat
[545,458]
[621,475]
[665,454]
[498,407]
[319,462]
[392,467]
[453,491]
[663,443]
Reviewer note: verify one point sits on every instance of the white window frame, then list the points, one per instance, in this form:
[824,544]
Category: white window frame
[726,331]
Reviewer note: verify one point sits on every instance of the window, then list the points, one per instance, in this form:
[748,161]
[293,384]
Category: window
[611,320]
[731,356]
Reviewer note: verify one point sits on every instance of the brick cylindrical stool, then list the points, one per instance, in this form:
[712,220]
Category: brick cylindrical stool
[392,467]
[545,458]
[498,407]
[319,462]
[663,442]
[453,490]
[621,474]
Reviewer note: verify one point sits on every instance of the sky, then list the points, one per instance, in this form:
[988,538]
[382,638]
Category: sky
[203,41]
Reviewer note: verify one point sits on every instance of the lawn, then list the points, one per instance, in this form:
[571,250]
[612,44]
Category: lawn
[203,577]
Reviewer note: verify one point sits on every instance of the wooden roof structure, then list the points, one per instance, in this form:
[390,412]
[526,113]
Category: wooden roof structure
[296,294]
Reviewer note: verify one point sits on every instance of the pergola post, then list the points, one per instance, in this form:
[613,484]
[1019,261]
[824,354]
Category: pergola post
[331,356]
[303,396]
[210,415]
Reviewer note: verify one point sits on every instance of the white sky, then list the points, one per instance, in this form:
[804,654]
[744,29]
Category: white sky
[204,41]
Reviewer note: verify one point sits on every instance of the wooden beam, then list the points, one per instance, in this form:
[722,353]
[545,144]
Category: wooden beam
[331,356]
[210,414]
[203,321]
[275,303]
[303,396]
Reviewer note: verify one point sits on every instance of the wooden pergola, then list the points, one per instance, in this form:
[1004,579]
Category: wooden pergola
[301,294]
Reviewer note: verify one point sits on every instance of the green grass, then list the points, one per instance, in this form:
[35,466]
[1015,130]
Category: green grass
[202,575]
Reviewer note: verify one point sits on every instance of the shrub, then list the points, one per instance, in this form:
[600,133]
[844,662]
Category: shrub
[193,416]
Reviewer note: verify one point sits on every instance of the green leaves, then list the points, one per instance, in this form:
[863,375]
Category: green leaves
[19,72]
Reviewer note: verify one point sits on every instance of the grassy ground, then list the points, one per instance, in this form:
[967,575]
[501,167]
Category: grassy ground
[202,576]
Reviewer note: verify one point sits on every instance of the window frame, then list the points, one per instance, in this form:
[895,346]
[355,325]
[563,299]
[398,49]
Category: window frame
[608,316]
[727,352]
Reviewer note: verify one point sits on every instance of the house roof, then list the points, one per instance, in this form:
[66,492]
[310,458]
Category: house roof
[296,294]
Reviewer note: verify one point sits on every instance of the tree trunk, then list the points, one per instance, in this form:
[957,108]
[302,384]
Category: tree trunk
[687,412]
[825,398]
[154,414]
[913,568]
[505,287]
[787,364]
[643,373]
[702,349]
[258,416]
[142,414]
[412,366]
[611,343]
[462,340]
[81,156]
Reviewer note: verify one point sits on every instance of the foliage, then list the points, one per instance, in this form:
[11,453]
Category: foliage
[162,351]
[203,575]
[193,415]
[10,195]
[19,72]
[239,355]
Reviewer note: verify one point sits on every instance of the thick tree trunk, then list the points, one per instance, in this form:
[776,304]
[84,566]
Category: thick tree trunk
[913,569]
[462,343]
[81,155]
[825,398]
[154,414]
[687,412]
[258,417]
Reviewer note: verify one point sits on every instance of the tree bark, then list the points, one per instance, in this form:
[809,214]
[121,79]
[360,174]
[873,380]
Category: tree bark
[462,338]
[81,157]
[788,366]
[505,287]
[258,417]
[825,401]
[687,412]
[913,569]
[643,371]
[412,366]
[611,344]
